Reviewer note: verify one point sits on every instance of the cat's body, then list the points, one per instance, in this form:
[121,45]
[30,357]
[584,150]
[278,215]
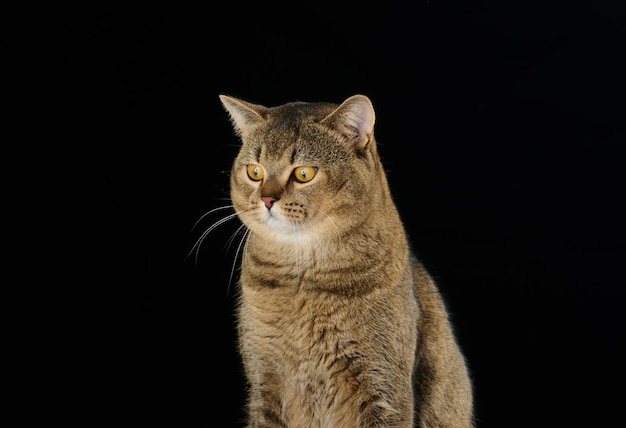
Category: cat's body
[339,324]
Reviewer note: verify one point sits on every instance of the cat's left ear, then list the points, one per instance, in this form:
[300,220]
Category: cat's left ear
[243,114]
[354,118]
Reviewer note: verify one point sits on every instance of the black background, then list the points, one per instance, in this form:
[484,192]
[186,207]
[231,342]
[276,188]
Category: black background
[501,125]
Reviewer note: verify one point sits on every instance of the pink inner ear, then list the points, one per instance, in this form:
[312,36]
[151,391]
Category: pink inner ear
[360,116]
[354,118]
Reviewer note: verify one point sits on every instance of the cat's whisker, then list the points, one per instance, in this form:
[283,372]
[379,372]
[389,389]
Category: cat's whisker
[196,247]
[300,251]
[211,212]
[249,237]
[242,242]
[336,229]
[320,243]
[232,237]
[198,243]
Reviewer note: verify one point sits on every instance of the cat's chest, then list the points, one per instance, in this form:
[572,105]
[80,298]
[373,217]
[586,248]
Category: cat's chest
[311,347]
[301,323]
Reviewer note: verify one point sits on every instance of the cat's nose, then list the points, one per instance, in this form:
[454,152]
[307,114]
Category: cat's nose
[268,200]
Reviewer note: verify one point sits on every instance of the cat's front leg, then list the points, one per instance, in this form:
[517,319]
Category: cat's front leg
[383,414]
[265,407]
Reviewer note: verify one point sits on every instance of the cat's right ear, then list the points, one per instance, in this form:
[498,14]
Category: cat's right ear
[243,115]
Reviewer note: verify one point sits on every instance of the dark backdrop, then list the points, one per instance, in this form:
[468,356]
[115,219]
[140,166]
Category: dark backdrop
[501,125]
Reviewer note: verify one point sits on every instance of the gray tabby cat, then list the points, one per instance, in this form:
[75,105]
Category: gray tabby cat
[339,324]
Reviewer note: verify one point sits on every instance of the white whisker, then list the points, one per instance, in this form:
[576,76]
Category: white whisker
[196,247]
[336,229]
[210,212]
[243,241]
[198,243]
[248,237]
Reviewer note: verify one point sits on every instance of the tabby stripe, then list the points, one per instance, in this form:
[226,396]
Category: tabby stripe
[254,258]
[266,281]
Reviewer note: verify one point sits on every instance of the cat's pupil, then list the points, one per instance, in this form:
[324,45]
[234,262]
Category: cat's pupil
[303,173]
[256,170]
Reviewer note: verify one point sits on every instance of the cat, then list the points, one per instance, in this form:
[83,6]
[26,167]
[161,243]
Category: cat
[339,324]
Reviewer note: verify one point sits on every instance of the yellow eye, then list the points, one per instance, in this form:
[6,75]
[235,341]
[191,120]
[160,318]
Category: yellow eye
[302,174]
[255,172]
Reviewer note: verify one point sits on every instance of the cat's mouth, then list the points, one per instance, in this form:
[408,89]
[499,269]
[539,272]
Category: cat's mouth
[282,222]
[273,219]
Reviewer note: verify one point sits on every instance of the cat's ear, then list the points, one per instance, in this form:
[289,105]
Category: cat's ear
[354,118]
[243,114]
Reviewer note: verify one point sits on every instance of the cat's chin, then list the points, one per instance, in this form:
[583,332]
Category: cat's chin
[277,227]
[282,227]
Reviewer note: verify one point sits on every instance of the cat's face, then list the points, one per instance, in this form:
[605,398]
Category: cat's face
[292,185]
[297,178]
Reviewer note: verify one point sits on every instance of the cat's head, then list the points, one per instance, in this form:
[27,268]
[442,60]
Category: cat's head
[305,170]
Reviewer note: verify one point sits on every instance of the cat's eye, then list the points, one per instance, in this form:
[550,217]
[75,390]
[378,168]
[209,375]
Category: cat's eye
[302,174]
[255,172]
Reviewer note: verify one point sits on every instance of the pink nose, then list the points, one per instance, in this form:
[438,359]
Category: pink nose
[268,200]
